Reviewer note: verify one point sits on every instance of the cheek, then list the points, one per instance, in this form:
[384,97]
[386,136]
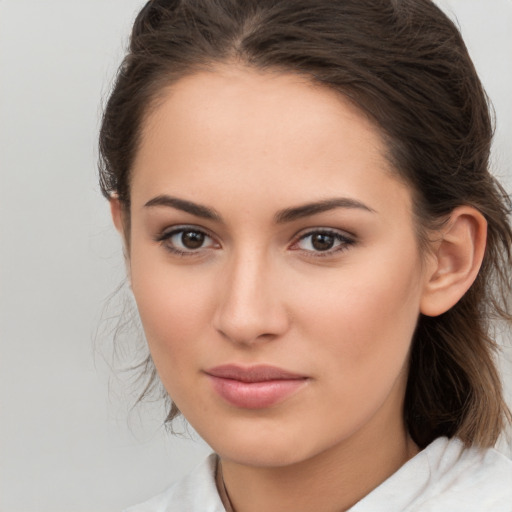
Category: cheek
[174,307]
[364,319]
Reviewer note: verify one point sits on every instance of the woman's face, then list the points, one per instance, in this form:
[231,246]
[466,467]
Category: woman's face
[274,262]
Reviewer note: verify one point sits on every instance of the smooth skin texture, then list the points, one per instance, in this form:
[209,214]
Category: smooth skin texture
[227,267]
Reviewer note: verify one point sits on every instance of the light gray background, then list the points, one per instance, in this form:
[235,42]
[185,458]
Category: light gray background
[64,441]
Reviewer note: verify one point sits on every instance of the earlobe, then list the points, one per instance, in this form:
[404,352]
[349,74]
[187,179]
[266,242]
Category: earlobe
[457,258]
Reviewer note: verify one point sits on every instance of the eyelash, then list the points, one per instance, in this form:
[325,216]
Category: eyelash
[344,241]
[165,237]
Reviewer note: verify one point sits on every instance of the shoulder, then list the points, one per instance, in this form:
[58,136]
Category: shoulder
[195,492]
[445,477]
[468,479]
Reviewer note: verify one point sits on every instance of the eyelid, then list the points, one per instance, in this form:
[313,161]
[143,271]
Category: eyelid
[325,229]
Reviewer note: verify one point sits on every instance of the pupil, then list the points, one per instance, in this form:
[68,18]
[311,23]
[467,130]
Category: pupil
[323,242]
[192,239]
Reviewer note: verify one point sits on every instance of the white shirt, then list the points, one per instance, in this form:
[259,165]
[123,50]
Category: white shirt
[441,478]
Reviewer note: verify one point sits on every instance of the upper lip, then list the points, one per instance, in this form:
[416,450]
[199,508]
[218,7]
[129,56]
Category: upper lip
[257,373]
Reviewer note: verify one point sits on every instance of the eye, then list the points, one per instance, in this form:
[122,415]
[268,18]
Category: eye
[186,240]
[323,241]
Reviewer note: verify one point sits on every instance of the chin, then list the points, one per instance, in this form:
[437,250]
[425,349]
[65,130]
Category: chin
[268,456]
[264,444]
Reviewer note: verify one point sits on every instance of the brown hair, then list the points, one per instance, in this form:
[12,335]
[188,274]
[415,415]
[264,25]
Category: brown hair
[405,65]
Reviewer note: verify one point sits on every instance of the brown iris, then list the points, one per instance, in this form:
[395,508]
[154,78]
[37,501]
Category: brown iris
[322,241]
[192,239]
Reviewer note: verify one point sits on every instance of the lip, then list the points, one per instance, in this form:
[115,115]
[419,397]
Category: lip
[254,387]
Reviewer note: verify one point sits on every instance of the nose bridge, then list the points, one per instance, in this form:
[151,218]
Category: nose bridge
[250,306]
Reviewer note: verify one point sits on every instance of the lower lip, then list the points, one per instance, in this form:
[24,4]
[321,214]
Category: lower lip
[255,395]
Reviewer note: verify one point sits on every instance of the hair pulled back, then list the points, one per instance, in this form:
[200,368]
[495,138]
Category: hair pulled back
[405,65]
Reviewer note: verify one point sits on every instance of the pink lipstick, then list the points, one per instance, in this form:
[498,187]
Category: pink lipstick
[254,387]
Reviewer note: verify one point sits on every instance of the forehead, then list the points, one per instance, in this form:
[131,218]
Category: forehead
[271,132]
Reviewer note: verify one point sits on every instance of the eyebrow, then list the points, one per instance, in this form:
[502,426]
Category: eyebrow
[306,210]
[187,206]
[281,217]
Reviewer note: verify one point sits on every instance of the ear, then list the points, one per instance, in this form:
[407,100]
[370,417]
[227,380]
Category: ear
[116,211]
[456,260]
[118,217]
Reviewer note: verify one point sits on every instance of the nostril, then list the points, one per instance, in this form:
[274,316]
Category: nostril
[247,325]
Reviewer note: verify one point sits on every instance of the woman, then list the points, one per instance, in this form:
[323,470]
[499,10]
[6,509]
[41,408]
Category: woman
[316,248]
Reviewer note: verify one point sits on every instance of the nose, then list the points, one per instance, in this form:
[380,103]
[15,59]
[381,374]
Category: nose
[250,307]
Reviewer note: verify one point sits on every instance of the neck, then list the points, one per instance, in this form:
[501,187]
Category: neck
[333,480]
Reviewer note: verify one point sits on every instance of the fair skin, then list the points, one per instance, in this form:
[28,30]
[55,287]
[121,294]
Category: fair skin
[228,268]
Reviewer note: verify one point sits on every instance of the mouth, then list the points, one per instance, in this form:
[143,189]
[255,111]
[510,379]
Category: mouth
[254,387]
